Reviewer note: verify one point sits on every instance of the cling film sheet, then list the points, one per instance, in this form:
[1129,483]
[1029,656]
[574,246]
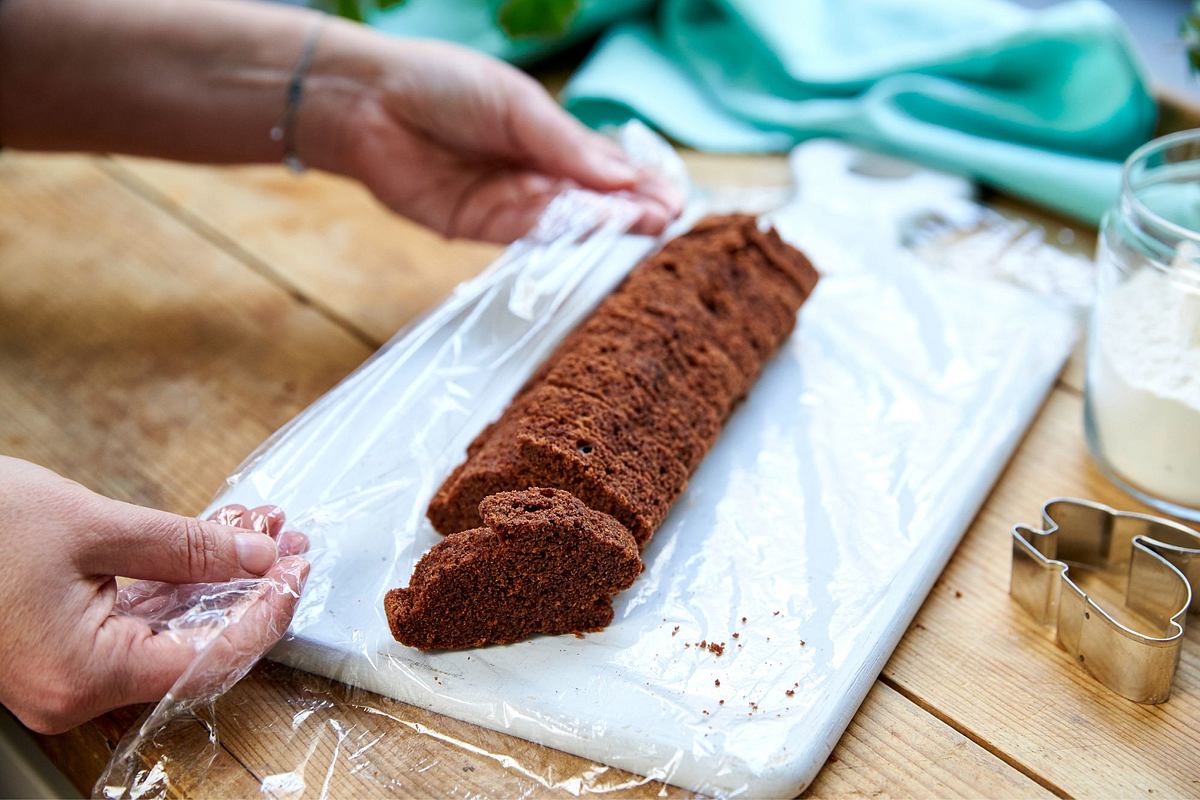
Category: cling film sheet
[772,594]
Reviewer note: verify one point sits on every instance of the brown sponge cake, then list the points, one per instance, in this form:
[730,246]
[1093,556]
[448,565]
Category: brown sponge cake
[543,563]
[614,422]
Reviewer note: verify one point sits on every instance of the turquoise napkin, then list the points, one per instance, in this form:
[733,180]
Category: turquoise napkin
[1042,104]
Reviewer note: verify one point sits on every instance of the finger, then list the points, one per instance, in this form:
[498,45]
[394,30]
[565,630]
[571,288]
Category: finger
[547,139]
[292,543]
[232,515]
[653,220]
[503,205]
[141,666]
[266,519]
[654,187]
[142,543]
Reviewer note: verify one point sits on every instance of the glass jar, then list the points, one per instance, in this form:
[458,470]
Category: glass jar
[1142,410]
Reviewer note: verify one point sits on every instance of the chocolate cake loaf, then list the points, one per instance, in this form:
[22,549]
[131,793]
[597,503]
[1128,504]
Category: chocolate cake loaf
[614,422]
[624,410]
[543,563]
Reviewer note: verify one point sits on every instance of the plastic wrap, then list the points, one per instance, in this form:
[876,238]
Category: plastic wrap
[772,594]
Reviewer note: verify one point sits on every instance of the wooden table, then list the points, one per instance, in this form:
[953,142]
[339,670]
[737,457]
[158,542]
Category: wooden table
[158,321]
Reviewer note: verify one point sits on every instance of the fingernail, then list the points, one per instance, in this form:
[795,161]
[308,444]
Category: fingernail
[292,543]
[256,552]
[653,221]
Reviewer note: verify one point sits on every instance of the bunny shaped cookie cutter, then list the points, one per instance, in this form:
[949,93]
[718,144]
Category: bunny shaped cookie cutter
[1131,645]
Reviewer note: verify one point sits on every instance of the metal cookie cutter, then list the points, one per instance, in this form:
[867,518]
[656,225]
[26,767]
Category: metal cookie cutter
[1130,647]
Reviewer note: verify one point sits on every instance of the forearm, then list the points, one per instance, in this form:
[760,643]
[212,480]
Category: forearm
[201,80]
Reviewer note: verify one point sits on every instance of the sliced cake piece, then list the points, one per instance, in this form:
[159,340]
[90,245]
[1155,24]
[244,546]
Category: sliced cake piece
[543,563]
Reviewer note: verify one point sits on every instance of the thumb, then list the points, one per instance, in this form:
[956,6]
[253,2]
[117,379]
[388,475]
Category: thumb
[136,542]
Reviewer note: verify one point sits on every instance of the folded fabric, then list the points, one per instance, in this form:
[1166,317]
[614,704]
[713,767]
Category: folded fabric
[1042,104]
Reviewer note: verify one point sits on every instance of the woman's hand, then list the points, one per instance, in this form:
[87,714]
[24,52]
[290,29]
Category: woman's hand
[69,653]
[458,141]
[453,139]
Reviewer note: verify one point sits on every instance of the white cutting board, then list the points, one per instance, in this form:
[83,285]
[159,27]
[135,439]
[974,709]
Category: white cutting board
[822,516]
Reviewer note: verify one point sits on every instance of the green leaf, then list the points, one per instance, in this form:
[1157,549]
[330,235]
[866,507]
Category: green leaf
[541,18]
[384,5]
[350,9]
[1189,31]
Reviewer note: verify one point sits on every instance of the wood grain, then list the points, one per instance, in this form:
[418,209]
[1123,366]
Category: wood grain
[138,358]
[891,750]
[974,657]
[323,237]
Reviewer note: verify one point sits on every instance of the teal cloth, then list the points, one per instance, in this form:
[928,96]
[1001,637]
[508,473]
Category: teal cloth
[1041,104]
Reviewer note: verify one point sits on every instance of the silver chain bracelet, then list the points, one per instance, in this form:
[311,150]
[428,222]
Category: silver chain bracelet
[285,130]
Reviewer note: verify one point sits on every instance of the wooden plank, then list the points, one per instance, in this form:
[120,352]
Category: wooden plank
[972,656]
[322,236]
[894,749]
[138,358]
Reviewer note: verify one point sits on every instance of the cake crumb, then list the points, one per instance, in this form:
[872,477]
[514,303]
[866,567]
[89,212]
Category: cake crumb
[717,649]
[790,692]
[776,614]
[737,635]
[717,682]
[957,594]
[675,630]
[802,643]
[743,620]
[720,702]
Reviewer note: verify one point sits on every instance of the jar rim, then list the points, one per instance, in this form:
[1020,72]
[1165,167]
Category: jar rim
[1141,155]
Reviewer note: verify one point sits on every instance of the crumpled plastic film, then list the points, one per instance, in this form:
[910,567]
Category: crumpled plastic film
[176,745]
[772,595]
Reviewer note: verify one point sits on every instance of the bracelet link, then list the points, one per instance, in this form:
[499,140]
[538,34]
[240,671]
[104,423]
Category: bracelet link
[285,129]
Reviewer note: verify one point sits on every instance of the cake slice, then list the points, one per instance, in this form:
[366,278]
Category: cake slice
[543,563]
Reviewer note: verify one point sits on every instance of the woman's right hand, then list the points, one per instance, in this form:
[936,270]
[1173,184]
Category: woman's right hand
[458,141]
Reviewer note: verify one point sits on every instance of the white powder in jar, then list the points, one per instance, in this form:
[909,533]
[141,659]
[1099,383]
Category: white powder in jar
[1144,379]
